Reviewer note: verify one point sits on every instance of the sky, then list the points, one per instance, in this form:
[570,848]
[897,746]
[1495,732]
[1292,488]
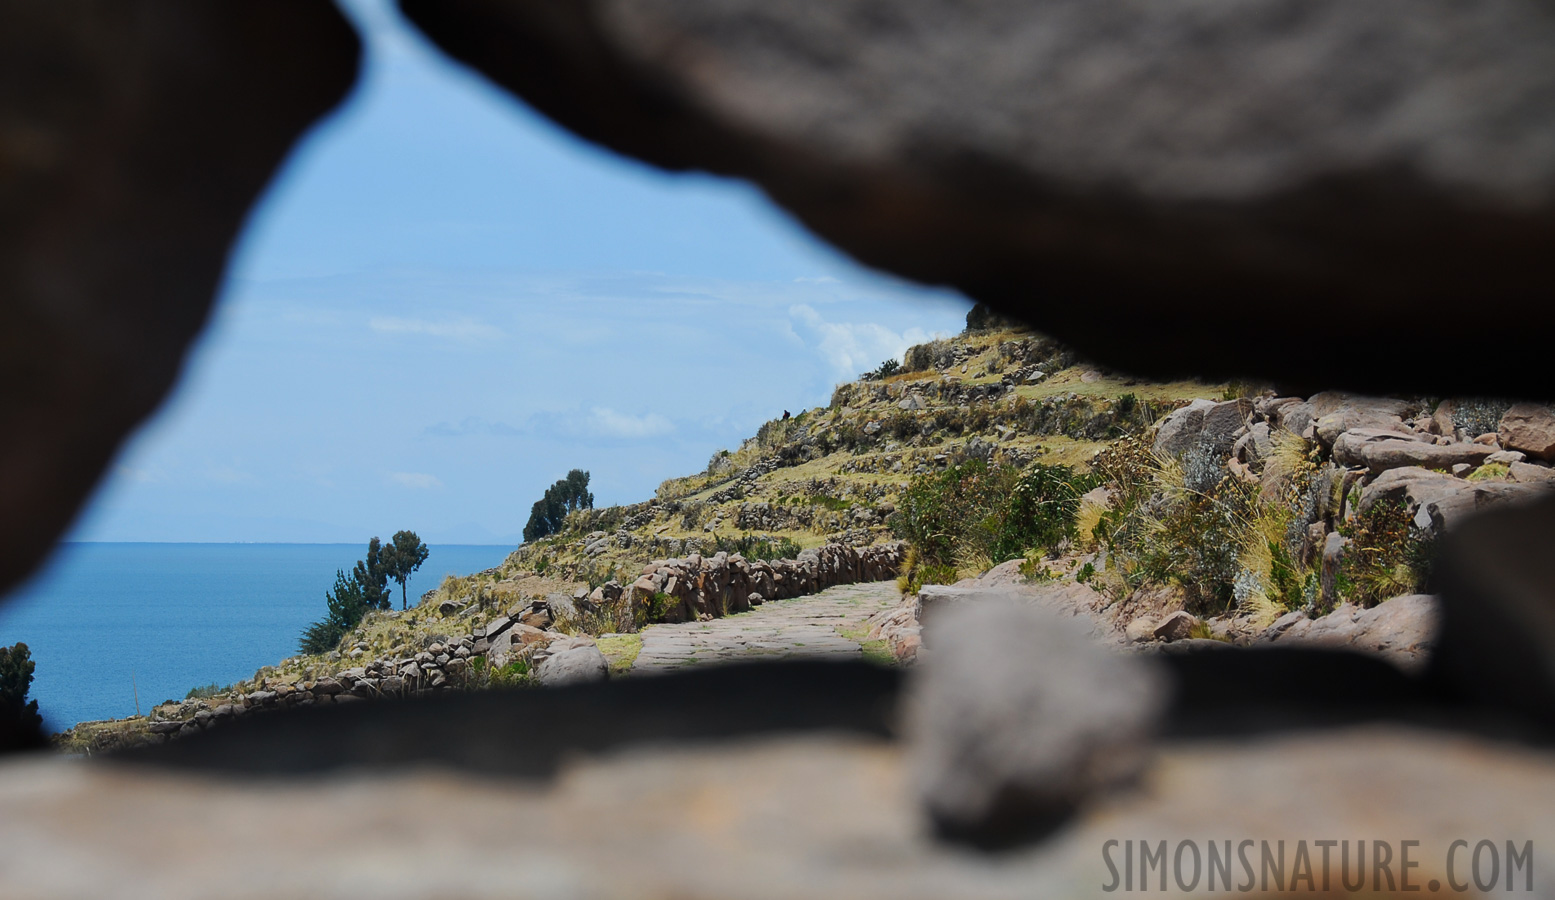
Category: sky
[444,302]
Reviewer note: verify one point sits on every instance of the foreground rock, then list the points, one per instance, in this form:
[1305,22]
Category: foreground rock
[133,137]
[573,661]
[1393,163]
[1019,719]
[806,817]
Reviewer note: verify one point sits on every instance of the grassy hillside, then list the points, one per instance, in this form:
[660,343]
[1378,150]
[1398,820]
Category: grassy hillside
[837,473]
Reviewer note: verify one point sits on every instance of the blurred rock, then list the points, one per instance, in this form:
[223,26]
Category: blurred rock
[134,136]
[1019,719]
[574,661]
[1147,163]
[1497,645]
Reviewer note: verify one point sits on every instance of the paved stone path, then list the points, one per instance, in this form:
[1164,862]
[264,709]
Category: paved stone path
[778,629]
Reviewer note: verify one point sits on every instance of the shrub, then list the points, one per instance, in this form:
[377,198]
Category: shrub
[939,511]
[972,515]
[883,371]
[1387,557]
[207,691]
[1041,511]
[346,603]
[752,547]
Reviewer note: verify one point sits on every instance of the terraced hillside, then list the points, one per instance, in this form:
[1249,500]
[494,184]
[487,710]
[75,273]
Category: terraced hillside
[835,474]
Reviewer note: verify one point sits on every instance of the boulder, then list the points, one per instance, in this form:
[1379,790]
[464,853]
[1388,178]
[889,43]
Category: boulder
[538,615]
[1496,648]
[1379,456]
[1402,630]
[1527,473]
[1348,412]
[1438,501]
[1530,428]
[1350,446]
[561,605]
[1176,627]
[573,661]
[1020,719]
[1140,630]
[1181,427]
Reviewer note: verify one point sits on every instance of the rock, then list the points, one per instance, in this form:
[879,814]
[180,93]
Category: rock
[1530,428]
[1104,131]
[1380,456]
[111,252]
[497,626]
[934,597]
[1140,629]
[911,402]
[1255,446]
[561,605]
[1181,427]
[1020,719]
[1497,633]
[1349,446]
[327,686]
[1438,501]
[449,607]
[1350,412]
[575,661]
[1202,423]
[1402,630]
[1176,627]
[905,643]
[528,635]
[1505,457]
[538,615]
[166,726]
[1527,473]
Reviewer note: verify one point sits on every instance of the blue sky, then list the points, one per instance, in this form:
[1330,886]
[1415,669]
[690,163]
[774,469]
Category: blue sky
[445,302]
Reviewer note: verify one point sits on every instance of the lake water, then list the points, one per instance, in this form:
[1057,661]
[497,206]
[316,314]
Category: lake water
[108,622]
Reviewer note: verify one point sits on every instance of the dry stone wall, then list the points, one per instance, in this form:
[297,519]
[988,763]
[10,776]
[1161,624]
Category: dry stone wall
[696,587]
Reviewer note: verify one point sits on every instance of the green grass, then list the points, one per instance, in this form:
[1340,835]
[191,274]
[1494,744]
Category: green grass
[620,652]
[877,651]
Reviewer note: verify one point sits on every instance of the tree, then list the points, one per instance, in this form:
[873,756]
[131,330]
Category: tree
[550,511]
[346,604]
[20,724]
[404,555]
[373,574]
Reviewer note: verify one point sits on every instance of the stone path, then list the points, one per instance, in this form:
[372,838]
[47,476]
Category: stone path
[778,629]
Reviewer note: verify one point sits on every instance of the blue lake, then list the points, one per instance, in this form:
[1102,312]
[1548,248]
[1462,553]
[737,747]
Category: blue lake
[109,622]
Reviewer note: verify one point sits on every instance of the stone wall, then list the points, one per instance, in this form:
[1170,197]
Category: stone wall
[680,590]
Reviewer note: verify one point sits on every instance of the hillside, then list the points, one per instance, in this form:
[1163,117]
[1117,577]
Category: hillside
[1162,512]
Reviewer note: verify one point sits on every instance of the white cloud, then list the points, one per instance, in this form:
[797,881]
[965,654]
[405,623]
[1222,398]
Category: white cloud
[419,480]
[615,424]
[819,279]
[855,347]
[461,329]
